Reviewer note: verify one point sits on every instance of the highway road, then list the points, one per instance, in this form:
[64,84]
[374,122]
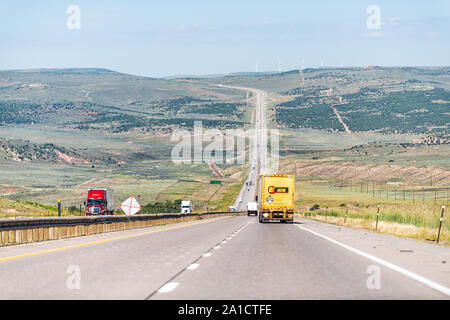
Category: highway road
[227,258]
[258,150]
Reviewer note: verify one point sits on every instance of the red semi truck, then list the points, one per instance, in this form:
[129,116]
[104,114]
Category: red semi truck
[99,202]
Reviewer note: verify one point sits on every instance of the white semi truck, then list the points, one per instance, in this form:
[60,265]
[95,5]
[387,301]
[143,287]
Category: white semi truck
[186,206]
[252,208]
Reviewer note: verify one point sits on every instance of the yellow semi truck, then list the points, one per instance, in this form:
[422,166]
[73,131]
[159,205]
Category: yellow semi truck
[276,198]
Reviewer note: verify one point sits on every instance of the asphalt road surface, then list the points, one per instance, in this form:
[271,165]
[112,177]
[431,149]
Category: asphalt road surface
[227,258]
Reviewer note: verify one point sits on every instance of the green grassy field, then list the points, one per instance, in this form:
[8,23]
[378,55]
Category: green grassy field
[353,183]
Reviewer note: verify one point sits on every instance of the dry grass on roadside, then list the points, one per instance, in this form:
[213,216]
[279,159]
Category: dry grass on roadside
[393,228]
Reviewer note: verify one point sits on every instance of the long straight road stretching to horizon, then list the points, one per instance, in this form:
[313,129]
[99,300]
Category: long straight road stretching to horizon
[258,150]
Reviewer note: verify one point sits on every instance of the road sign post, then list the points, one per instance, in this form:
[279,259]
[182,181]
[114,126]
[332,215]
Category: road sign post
[378,214]
[441,219]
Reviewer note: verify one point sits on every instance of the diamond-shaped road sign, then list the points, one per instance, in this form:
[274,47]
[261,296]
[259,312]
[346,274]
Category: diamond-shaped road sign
[130,206]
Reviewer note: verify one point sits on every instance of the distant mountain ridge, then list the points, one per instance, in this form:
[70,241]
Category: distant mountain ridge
[65,70]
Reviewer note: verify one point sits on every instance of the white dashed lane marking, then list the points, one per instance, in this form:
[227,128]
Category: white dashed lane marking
[168,287]
[193,266]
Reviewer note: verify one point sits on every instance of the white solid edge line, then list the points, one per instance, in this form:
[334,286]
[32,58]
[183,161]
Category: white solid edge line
[168,287]
[434,285]
[193,266]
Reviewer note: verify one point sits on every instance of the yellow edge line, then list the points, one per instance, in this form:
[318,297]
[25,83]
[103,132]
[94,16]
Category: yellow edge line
[106,240]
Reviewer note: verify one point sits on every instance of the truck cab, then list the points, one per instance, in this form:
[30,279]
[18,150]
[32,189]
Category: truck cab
[99,202]
[186,206]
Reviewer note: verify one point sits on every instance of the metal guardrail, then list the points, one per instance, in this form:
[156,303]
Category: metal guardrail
[24,223]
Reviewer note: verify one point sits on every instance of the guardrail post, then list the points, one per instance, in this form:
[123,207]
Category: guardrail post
[59,208]
[378,214]
[441,219]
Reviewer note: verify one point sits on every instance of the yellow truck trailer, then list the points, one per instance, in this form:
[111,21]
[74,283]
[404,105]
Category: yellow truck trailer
[276,198]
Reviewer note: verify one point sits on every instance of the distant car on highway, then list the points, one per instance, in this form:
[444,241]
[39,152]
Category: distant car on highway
[232,209]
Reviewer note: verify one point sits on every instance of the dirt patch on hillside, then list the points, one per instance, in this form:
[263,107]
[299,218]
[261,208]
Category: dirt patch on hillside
[5,189]
[70,159]
[104,182]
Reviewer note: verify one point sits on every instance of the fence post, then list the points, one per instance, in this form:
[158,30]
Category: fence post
[440,224]
[378,214]
[346,213]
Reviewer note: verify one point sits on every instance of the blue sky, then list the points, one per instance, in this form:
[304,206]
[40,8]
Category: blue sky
[206,37]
